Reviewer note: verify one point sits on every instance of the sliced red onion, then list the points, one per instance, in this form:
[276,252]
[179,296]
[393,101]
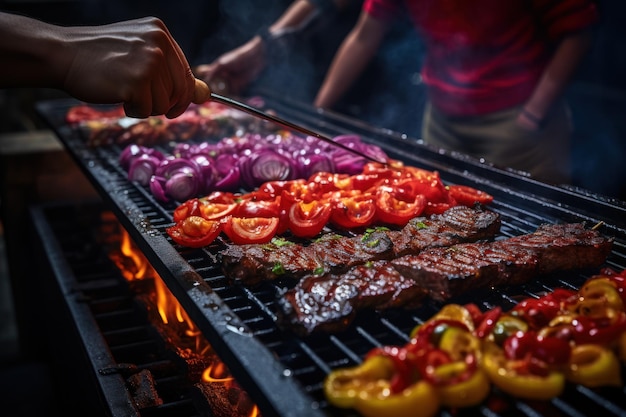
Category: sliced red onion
[230,181]
[317,162]
[224,163]
[266,165]
[181,186]
[207,171]
[129,153]
[171,166]
[157,187]
[142,169]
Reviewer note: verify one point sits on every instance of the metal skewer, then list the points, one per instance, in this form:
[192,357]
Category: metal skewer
[251,110]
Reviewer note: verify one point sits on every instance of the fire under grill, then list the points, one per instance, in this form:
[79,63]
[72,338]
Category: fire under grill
[283,373]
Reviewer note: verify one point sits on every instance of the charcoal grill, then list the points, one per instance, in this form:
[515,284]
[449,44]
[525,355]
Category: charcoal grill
[283,373]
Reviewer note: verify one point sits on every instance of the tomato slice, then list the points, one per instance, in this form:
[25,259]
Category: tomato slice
[308,219]
[252,207]
[433,189]
[324,182]
[437,208]
[244,230]
[364,182]
[272,189]
[195,231]
[216,211]
[468,196]
[353,211]
[396,207]
[190,207]
[223,197]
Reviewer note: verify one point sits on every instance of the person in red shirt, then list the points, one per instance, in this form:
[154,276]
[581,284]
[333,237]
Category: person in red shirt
[495,73]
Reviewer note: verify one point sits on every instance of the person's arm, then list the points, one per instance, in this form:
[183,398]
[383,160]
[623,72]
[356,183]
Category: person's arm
[136,62]
[554,80]
[241,66]
[351,59]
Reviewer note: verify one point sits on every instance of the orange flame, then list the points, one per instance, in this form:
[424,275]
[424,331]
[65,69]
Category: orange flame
[214,374]
[134,266]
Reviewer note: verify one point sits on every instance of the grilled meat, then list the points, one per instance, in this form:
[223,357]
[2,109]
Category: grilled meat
[448,272]
[330,302]
[251,264]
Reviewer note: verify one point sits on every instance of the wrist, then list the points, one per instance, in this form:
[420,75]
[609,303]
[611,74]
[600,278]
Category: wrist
[534,118]
[270,40]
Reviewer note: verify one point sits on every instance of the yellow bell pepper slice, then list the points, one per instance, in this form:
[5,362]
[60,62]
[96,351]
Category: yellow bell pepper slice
[459,343]
[466,393]
[343,386]
[502,374]
[366,388]
[418,400]
[597,296]
[594,366]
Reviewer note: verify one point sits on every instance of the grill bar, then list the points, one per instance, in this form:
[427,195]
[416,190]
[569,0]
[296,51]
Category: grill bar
[110,335]
[283,373]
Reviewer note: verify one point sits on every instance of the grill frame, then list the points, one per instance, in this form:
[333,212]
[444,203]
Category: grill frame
[280,371]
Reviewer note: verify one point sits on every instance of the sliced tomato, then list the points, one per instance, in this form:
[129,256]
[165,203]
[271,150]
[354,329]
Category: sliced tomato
[273,189]
[195,231]
[244,230]
[216,211]
[308,219]
[324,182]
[433,189]
[382,171]
[396,207]
[364,182]
[190,207]
[252,207]
[468,196]
[223,197]
[353,211]
[437,208]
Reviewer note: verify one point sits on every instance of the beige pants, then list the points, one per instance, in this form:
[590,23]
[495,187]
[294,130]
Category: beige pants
[496,137]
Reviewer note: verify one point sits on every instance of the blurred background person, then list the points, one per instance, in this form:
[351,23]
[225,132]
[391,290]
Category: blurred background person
[290,55]
[495,74]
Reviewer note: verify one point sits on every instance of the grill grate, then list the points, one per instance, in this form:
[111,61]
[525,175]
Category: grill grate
[112,324]
[284,373]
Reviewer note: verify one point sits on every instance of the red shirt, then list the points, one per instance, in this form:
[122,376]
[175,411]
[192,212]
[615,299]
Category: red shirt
[487,55]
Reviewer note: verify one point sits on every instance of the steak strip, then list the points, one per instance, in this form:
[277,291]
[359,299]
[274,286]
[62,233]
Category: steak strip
[333,253]
[330,302]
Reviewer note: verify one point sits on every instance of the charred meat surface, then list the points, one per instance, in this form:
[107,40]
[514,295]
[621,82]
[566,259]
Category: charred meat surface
[330,302]
[332,253]
[448,272]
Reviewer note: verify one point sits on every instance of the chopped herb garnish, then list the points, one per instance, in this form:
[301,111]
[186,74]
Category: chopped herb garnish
[279,242]
[278,269]
[420,225]
[318,271]
[373,243]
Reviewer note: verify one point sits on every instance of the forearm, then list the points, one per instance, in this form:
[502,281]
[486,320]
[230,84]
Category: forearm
[353,56]
[32,52]
[558,74]
[299,12]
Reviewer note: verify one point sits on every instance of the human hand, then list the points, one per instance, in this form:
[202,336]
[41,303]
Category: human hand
[136,62]
[233,71]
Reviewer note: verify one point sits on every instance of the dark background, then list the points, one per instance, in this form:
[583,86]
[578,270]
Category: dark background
[389,94]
